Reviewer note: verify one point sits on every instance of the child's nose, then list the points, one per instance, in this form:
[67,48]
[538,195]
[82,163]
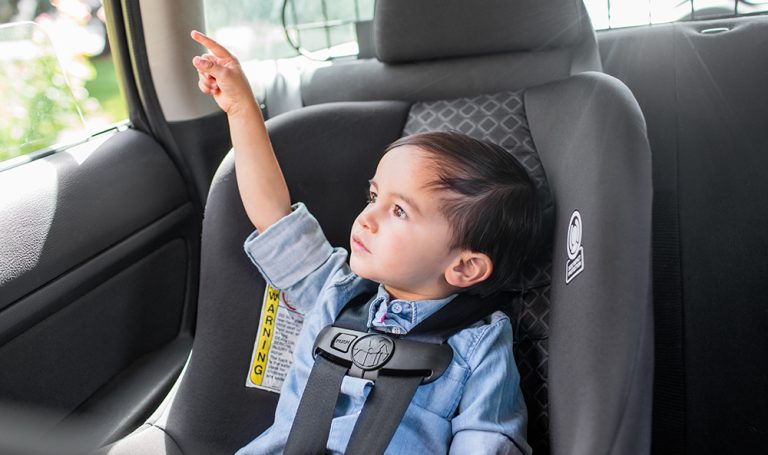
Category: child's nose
[367,219]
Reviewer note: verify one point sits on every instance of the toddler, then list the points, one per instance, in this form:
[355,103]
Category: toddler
[446,214]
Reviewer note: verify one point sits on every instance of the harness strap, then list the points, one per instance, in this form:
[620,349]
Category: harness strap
[384,409]
[310,429]
[458,314]
[354,315]
[396,379]
[462,311]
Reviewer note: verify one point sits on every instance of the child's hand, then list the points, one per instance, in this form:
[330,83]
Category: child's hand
[220,75]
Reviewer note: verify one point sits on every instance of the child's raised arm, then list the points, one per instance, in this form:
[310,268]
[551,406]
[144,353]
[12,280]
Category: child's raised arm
[259,179]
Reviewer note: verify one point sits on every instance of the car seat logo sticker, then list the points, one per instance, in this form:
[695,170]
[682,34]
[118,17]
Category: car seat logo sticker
[575,263]
[371,352]
[279,327]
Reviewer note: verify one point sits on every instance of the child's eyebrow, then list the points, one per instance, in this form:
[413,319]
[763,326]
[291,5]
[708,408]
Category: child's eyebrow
[405,198]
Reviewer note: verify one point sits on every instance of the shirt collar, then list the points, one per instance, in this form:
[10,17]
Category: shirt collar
[399,316]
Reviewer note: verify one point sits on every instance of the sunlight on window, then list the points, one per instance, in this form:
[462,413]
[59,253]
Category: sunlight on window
[627,13]
[39,109]
[65,95]
[314,28]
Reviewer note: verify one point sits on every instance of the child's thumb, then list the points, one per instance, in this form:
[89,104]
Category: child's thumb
[206,66]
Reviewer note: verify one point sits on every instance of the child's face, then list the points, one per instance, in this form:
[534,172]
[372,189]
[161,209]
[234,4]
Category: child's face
[401,239]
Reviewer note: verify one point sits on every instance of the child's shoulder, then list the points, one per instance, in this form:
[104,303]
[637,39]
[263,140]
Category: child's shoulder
[493,322]
[473,343]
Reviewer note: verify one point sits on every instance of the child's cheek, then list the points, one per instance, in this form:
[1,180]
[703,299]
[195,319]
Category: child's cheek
[401,240]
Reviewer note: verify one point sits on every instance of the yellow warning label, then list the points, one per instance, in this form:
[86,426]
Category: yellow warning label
[266,331]
[279,329]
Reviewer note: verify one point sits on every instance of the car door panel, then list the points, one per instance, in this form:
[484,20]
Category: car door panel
[99,247]
[61,360]
[45,225]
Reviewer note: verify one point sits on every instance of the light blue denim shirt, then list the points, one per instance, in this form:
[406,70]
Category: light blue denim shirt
[475,407]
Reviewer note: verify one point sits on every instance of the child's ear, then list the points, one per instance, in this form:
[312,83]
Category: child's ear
[468,269]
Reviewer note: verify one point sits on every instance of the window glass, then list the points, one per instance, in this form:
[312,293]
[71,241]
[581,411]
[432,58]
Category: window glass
[38,105]
[625,13]
[57,78]
[273,29]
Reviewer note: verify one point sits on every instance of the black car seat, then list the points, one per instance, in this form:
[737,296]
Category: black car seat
[511,73]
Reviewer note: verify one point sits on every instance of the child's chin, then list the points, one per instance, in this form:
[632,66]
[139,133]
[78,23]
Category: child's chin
[353,264]
[358,269]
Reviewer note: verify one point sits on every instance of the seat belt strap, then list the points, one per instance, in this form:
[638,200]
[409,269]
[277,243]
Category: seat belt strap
[354,315]
[312,424]
[384,409]
[459,313]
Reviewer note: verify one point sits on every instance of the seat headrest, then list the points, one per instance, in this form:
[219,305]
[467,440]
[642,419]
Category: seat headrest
[408,30]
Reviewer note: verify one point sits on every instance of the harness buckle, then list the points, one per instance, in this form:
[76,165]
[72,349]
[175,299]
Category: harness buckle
[366,355]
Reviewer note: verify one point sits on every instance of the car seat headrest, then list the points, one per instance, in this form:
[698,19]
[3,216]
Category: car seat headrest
[408,30]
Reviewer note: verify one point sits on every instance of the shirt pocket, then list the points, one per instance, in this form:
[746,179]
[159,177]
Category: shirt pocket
[442,396]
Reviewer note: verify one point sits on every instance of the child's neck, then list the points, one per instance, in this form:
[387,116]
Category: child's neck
[401,294]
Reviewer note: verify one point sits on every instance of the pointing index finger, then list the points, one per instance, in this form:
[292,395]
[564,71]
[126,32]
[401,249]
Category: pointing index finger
[217,49]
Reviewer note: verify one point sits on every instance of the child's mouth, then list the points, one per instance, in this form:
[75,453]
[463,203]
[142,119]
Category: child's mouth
[357,245]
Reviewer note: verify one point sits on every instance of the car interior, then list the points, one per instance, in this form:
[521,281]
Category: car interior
[128,310]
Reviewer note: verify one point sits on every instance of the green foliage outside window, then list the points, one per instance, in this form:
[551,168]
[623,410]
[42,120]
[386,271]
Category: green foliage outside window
[37,106]
[57,78]
[37,102]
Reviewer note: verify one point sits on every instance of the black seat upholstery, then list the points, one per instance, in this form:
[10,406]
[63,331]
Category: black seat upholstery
[583,341]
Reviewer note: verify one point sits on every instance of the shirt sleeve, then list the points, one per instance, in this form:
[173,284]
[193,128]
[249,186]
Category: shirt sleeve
[294,256]
[492,413]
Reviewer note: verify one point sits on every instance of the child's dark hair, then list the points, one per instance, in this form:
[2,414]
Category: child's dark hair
[491,202]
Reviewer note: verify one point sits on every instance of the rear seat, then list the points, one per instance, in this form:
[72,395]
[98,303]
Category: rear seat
[701,86]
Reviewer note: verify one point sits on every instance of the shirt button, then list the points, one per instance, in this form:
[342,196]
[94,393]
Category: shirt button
[396,308]
[396,330]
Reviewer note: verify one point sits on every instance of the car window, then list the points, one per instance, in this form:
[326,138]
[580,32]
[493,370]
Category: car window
[57,77]
[273,29]
[607,14]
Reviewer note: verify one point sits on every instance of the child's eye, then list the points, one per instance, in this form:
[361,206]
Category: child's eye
[399,212]
[371,197]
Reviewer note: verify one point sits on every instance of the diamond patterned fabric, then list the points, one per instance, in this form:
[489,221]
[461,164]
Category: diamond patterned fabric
[500,118]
